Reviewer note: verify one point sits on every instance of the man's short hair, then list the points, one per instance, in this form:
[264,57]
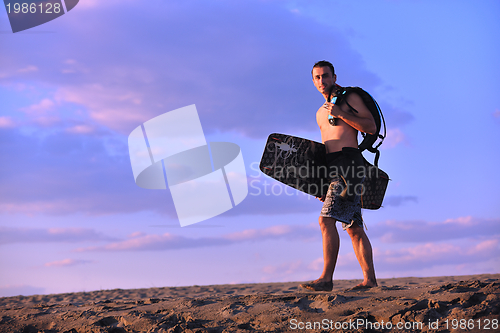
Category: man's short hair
[324,63]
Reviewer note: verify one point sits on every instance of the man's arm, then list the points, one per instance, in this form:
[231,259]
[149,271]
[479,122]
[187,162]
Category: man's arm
[362,120]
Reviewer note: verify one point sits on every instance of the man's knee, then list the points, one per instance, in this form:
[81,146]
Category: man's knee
[355,231]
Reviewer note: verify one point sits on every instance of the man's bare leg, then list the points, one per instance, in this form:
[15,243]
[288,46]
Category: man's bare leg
[363,251]
[331,244]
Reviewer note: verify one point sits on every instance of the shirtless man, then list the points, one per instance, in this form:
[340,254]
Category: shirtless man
[340,138]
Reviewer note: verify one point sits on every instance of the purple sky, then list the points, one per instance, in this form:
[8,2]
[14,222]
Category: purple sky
[71,90]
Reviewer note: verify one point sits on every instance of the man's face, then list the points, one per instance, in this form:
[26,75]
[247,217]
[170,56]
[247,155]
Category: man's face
[323,79]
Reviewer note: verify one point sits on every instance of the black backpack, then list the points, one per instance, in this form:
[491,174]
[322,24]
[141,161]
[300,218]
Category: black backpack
[372,105]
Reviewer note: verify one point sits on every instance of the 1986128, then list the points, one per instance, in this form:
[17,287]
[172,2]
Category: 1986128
[33,8]
[481,324]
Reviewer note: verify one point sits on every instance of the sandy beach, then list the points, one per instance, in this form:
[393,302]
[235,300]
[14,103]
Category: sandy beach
[433,304]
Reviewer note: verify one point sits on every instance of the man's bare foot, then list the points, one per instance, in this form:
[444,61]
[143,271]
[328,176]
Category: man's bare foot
[364,285]
[318,285]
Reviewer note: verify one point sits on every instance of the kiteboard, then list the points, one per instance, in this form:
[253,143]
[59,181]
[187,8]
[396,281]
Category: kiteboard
[301,164]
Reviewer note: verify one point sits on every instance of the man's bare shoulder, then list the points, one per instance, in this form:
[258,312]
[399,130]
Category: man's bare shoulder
[355,100]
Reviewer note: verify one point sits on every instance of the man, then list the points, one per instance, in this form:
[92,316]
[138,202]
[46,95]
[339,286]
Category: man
[342,203]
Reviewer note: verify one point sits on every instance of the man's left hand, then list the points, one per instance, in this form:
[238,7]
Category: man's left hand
[333,109]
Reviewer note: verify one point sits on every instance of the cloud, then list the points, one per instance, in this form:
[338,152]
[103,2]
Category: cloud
[9,235]
[483,232]
[240,62]
[81,129]
[317,264]
[428,255]
[43,113]
[246,65]
[463,221]
[424,231]
[28,69]
[395,136]
[7,122]
[158,243]
[41,107]
[71,170]
[396,117]
[67,262]
[428,252]
[490,245]
[168,241]
[279,230]
[107,105]
[282,272]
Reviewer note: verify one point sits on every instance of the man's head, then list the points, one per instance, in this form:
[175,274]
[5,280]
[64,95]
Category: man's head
[324,63]
[324,77]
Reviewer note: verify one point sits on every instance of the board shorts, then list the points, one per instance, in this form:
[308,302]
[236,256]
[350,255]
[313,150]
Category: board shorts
[343,200]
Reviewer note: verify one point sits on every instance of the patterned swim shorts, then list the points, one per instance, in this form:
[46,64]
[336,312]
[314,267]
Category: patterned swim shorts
[338,207]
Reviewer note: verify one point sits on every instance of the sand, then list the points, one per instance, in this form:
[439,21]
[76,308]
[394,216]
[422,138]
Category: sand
[434,304]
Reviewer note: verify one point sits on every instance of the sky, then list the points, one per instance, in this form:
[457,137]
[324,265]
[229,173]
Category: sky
[71,91]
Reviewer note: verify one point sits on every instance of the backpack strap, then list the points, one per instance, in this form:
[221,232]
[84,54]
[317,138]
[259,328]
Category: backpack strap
[372,105]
